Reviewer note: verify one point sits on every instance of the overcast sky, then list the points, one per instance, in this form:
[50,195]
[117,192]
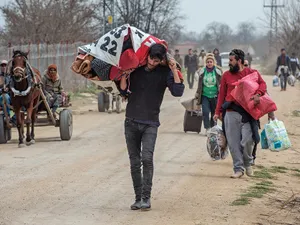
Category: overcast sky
[201,12]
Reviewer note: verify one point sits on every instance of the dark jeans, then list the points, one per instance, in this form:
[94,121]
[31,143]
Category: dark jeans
[140,139]
[191,77]
[208,106]
[283,81]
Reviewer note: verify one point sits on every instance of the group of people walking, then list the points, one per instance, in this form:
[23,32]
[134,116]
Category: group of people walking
[194,62]
[286,66]
[147,86]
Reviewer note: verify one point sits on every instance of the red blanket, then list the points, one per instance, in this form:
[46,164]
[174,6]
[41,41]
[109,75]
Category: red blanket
[245,89]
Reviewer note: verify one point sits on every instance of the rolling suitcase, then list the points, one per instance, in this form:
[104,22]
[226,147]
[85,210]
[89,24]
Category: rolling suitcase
[192,121]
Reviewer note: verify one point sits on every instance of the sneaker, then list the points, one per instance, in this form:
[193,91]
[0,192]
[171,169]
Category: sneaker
[237,175]
[249,171]
[146,204]
[136,205]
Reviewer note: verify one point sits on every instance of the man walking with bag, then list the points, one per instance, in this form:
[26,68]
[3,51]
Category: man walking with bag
[240,128]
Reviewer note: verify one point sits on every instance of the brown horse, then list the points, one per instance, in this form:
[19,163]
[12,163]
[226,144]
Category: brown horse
[25,93]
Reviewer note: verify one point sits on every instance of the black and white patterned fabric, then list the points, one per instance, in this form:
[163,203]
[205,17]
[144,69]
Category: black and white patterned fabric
[101,69]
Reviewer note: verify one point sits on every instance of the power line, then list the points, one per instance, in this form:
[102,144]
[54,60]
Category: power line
[273,22]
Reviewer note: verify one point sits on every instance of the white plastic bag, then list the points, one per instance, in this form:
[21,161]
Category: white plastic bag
[216,143]
[277,136]
[275,81]
[291,80]
[196,76]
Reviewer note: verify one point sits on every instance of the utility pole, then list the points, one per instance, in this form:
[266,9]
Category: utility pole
[108,15]
[274,5]
[104,17]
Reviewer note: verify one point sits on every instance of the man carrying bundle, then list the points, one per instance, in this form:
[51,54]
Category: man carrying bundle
[145,88]
[240,128]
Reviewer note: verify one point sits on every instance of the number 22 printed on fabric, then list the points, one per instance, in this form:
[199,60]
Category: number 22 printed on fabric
[114,45]
[109,47]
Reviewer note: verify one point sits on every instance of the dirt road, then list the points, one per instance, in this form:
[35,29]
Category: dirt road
[87,180]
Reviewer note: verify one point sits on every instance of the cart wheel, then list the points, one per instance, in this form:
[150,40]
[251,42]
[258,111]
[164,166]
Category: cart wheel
[101,102]
[3,134]
[66,124]
[106,102]
[118,104]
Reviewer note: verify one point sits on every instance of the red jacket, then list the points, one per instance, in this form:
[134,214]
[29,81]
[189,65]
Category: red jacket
[227,86]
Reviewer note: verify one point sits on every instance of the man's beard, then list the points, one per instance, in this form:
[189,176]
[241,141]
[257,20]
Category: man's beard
[234,69]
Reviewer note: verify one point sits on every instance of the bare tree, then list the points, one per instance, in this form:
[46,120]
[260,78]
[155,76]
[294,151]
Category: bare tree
[289,27]
[161,18]
[54,21]
[217,35]
[245,32]
[49,21]
[190,36]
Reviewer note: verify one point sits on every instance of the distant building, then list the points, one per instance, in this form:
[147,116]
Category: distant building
[184,47]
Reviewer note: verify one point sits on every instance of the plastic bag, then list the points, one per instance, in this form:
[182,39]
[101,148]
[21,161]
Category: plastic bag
[265,106]
[264,140]
[216,143]
[275,81]
[291,80]
[245,89]
[277,136]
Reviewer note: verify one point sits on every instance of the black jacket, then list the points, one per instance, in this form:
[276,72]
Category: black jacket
[147,90]
[286,60]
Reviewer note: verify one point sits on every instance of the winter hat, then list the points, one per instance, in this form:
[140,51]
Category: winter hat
[210,56]
[4,62]
[52,66]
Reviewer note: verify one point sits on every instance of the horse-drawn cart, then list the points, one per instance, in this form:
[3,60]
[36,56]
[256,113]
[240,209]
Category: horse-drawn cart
[26,92]
[43,118]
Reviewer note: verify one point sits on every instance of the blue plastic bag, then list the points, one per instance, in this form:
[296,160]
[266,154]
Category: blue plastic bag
[264,140]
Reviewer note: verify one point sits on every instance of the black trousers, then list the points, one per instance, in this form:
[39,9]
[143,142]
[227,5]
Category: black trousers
[140,139]
[191,77]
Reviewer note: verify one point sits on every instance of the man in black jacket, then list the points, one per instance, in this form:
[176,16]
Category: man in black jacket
[283,68]
[146,87]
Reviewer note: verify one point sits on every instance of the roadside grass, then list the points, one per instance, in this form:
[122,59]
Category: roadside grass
[91,89]
[263,174]
[259,189]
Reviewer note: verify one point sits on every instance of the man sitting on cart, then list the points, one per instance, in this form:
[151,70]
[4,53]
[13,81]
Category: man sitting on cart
[53,88]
